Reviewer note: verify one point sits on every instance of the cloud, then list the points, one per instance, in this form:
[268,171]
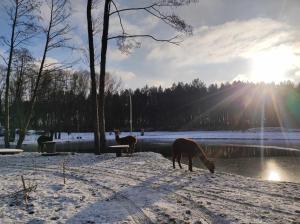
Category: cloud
[53,63]
[116,55]
[241,77]
[45,13]
[226,42]
[115,28]
[129,79]
[228,52]
[124,75]
[141,25]
[156,83]
[49,63]
[78,15]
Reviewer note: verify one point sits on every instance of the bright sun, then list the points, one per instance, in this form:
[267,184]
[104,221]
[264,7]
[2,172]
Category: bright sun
[274,176]
[273,171]
[273,65]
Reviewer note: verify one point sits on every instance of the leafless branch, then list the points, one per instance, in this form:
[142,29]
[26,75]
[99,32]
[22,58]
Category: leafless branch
[172,20]
[175,3]
[133,9]
[4,59]
[120,18]
[171,40]
[4,41]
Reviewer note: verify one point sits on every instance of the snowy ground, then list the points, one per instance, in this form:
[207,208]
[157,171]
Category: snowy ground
[139,189]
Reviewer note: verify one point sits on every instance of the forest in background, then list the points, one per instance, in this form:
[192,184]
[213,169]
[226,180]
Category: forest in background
[63,104]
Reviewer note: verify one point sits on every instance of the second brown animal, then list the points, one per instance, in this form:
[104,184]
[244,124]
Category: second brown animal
[127,140]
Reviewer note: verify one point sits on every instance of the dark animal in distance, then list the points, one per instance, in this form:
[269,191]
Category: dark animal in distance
[127,140]
[190,148]
[42,139]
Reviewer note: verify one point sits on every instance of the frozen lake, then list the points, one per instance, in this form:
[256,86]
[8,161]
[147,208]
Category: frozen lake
[291,137]
[233,151]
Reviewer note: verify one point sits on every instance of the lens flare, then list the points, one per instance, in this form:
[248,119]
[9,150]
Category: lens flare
[293,103]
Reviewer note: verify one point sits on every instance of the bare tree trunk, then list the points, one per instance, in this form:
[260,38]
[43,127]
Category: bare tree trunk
[28,117]
[18,97]
[93,77]
[102,73]
[33,99]
[7,117]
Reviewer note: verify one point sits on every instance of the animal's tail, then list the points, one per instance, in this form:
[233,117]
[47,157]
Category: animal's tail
[209,164]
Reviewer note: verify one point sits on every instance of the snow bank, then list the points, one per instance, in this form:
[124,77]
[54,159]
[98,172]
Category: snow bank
[142,188]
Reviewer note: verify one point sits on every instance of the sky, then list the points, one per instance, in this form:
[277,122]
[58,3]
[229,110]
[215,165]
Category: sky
[248,40]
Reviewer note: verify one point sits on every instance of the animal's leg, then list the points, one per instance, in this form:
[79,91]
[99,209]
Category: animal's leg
[134,149]
[174,157]
[178,160]
[128,150]
[190,163]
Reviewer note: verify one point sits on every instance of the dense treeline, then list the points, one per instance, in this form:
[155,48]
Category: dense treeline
[63,104]
[235,106]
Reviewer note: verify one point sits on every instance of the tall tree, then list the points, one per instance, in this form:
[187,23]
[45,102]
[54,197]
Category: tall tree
[2,85]
[23,27]
[55,37]
[155,10]
[23,65]
[93,75]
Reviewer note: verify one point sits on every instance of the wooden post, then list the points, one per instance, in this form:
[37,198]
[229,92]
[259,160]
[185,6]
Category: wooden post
[64,171]
[25,190]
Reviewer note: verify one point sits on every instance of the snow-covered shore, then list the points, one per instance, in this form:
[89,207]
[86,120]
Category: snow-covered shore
[142,188]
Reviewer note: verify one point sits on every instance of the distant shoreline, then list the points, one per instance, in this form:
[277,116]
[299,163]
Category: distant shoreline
[84,141]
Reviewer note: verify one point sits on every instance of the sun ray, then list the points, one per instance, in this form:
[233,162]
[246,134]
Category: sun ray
[226,100]
[278,115]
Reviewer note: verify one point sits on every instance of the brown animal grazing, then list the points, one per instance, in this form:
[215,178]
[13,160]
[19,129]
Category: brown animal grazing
[42,139]
[191,148]
[128,140]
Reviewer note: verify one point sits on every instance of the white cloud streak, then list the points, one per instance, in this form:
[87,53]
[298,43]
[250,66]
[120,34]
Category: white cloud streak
[124,75]
[223,43]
